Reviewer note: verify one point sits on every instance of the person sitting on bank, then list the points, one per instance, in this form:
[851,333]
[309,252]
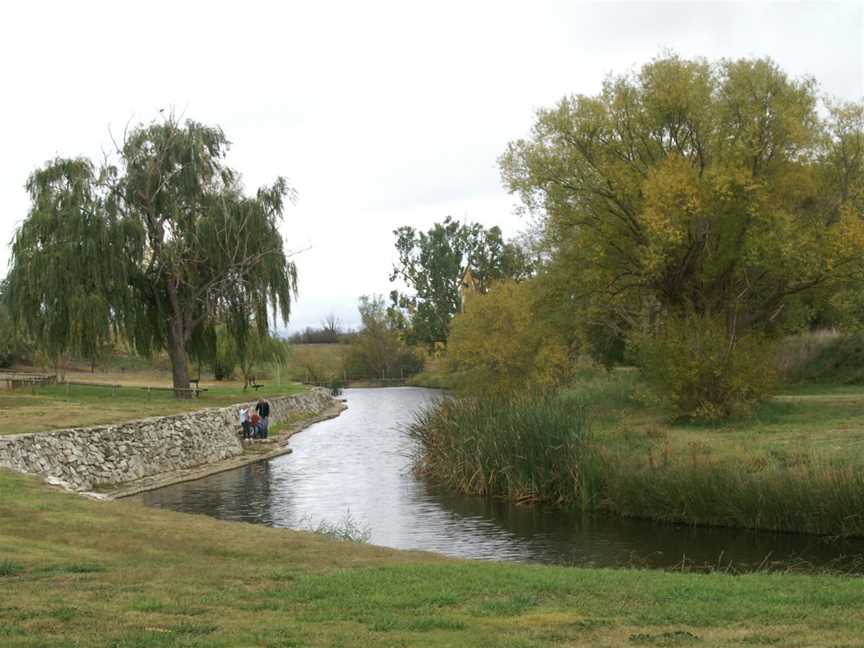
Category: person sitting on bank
[263,410]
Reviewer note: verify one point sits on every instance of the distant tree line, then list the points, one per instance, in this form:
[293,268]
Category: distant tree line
[330,332]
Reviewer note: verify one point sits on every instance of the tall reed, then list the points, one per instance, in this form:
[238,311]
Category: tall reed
[813,496]
[532,448]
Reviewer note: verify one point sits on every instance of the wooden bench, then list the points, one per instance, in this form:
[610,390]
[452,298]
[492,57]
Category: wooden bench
[193,391]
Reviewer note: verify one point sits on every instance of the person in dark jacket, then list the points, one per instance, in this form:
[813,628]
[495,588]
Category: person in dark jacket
[263,410]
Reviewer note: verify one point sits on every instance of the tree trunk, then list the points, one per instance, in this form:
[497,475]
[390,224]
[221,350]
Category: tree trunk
[177,353]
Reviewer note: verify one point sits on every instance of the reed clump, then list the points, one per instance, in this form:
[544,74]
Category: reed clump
[532,448]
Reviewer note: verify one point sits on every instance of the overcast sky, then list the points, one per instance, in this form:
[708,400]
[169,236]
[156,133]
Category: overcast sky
[380,113]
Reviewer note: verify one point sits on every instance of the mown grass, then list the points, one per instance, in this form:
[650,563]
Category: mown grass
[117,574]
[55,406]
[795,464]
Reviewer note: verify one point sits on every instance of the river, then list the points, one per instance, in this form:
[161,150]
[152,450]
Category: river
[359,465]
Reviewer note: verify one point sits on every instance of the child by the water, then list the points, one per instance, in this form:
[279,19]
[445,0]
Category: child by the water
[245,423]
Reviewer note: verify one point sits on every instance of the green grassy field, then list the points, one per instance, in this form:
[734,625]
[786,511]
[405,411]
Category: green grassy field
[825,420]
[75,572]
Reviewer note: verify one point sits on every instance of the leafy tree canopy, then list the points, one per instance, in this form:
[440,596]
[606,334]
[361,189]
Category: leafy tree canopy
[70,262]
[691,188]
[161,244]
[433,264]
[377,349]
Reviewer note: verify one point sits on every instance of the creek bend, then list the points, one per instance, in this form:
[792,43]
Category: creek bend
[360,463]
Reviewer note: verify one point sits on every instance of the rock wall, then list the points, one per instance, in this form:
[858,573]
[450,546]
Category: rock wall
[81,458]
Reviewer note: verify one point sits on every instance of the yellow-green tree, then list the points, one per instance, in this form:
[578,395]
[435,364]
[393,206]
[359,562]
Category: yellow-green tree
[710,191]
[499,345]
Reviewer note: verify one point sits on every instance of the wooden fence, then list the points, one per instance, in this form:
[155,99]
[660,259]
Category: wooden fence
[16,379]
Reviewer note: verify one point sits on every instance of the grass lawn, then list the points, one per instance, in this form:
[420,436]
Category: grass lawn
[50,408]
[814,420]
[75,572]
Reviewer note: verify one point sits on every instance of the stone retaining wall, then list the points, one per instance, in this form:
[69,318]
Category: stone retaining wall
[81,458]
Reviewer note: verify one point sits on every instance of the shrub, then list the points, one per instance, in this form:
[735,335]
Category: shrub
[377,349]
[705,373]
[347,529]
[501,346]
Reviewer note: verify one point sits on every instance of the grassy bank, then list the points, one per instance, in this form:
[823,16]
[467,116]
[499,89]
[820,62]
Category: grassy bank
[794,465]
[54,407]
[74,572]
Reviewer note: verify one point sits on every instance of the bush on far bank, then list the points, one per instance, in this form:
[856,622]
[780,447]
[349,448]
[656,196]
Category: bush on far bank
[694,365]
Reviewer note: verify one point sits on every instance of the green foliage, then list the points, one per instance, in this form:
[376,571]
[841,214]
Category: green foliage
[161,245]
[499,345]
[257,348]
[317,363]
[70,263]
[689,187]
[13,347]
[836,359]
[433,265]
[690,363]
[377,350]
[9,568]
[531,448]
[225,355]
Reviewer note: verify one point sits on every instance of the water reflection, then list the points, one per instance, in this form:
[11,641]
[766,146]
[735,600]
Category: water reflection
[360,463]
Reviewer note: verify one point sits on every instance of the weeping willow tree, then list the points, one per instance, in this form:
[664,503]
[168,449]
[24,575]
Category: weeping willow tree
[70,261]
[172,247]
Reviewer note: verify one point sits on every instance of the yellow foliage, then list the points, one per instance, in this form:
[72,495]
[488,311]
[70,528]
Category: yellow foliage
[500,346]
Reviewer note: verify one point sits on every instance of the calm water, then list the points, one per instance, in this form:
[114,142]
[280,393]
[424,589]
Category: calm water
[360,463]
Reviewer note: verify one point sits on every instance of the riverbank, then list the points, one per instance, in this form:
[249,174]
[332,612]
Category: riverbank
[794,465]
[148,453]
[275,445]
[78,572]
